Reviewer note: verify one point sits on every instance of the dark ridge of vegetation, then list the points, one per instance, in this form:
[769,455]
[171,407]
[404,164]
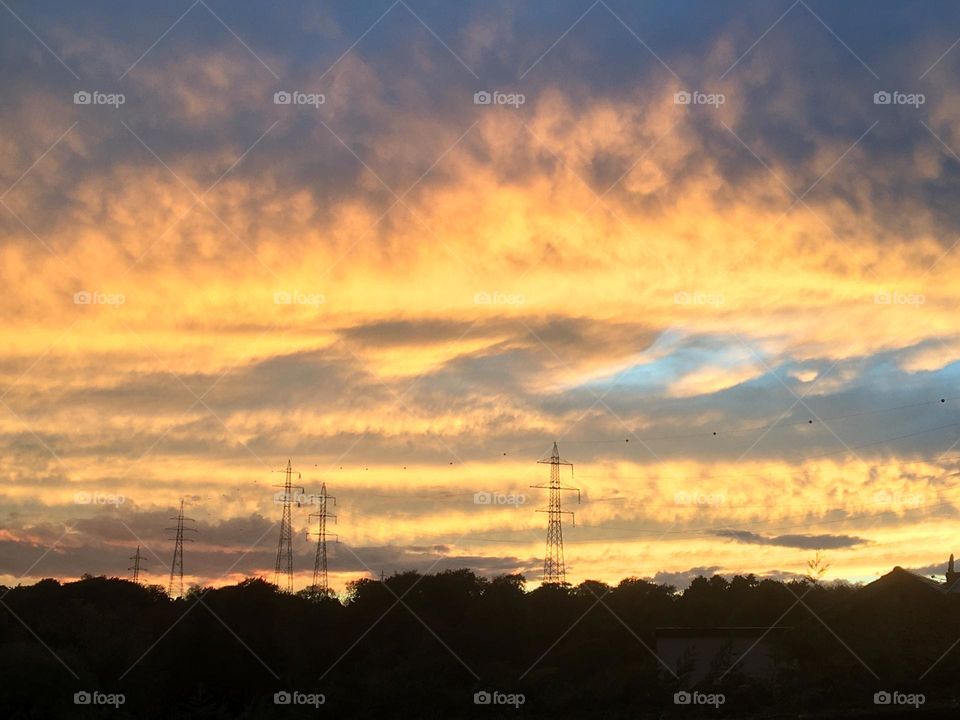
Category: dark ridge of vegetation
[408,646]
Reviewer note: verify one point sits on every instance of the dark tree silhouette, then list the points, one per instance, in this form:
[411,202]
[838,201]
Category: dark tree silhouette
[416,645]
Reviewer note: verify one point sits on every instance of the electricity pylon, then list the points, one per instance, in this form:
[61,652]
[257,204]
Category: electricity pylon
[320,583]
[285,545]
[176,567]
[554,571]
[136,565]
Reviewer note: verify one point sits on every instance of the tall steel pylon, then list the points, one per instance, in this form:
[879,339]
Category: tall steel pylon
[176,567]
[554,571]
[136,565]
[320,583]
[285,545]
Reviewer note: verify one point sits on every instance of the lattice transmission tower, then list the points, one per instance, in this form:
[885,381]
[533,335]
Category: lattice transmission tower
[136,565]
[554,571]
[285,545]
[176,567]
[320,583]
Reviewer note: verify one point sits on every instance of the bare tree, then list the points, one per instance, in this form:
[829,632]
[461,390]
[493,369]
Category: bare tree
[817,567]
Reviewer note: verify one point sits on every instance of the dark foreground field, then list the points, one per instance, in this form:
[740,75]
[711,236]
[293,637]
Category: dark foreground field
[455,645]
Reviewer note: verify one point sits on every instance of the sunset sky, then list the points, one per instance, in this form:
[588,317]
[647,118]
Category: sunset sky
[736,315]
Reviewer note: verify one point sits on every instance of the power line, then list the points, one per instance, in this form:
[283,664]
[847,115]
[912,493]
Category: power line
[795,460]
[808,422]
[449,495]
[710,531]
[770,426]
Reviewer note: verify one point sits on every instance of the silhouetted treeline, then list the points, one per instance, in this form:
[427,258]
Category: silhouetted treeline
[422,646]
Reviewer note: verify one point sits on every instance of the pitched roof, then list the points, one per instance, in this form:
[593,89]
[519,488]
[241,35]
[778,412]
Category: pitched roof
[898,577]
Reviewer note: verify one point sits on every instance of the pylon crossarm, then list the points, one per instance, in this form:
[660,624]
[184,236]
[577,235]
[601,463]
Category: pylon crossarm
[292,487]
[556,487]
[314,534]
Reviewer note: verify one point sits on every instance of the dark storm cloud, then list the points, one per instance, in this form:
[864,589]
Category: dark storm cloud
[812,542]
[247,546]
[217,114]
